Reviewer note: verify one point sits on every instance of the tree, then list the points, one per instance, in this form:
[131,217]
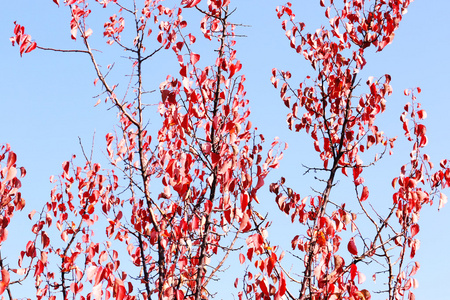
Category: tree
[161,219]
[343,127]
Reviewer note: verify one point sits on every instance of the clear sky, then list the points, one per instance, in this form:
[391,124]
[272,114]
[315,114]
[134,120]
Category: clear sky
[47,103]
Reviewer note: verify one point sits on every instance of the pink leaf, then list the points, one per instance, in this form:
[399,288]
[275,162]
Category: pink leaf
[12,172]
[91,272]
[20,271]
[88,32]
[319,269]
[442,200]
[361,278]
[97,291]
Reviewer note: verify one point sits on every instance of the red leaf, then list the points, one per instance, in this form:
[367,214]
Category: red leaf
[263,286]
[31,214]
[191,38]
[422,114]
[5,281]
[39,268]
[241,258]
[250,253]
[65,166]
[414,247]
[2,287]
[31,47]
[31,250]
[255,241]
[179,295]
[190,3]
[23,172]
[245,223]
[244,201]
[271,263]
[12,157]
[414,229]
[45,239]
[75,287]
[282,284]
[327,12]
[119,291]
[194,58]
[260,181]
[352,247]
[215,159]
[365,194]
[353,271]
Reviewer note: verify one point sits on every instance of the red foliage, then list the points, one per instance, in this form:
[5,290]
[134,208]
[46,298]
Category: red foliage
[173,203]
[188,190]
[342,126]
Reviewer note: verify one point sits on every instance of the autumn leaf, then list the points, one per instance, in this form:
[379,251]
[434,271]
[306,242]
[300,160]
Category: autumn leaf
[352,247]
[414,229]
[194,58]
[365,194]
[190,3]
[442,200]
[5,280]
[241,258]
[245,223]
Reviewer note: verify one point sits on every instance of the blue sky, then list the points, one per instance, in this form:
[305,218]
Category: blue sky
[47,103]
